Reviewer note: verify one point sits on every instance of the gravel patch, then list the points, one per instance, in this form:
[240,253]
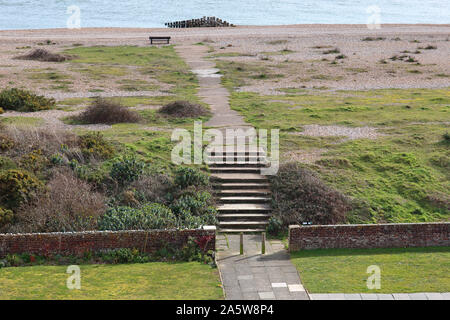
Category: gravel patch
[349,133]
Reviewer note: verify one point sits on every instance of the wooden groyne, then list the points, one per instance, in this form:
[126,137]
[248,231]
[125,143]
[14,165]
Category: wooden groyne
[199,23]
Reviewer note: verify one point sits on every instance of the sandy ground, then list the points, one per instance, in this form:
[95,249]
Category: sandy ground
[306,66]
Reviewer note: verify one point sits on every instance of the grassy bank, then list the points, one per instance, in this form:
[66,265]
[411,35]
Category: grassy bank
[150,281]
[396,173]
[402,270]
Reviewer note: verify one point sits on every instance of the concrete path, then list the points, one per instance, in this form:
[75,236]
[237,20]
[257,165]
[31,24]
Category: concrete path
[211,90]
[254,276]
[377,296]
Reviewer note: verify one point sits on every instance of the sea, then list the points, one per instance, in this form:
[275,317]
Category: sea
[39,14]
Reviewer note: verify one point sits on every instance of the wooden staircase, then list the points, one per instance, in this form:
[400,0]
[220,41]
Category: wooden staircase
[242,192]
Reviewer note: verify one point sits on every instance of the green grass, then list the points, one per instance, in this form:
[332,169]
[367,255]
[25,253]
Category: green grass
[22,121]
[402,176]
[149,281]
[402,270]
[162,63]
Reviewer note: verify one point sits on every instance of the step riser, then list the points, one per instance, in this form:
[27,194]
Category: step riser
[239,193]
[234,170]
[235,180]
[241,187]
[237,165]
[244,201]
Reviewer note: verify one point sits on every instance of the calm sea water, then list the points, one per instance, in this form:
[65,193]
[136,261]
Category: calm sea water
[35,14]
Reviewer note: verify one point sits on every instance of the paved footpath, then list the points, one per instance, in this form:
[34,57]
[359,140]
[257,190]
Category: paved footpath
[378,296]
[254,276]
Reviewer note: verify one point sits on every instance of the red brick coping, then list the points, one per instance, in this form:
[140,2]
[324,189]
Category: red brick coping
[68,243]
[398,235]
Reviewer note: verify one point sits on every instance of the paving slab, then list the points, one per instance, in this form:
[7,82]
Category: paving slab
[270,275]
[418,296]
[401,296]
[352,296]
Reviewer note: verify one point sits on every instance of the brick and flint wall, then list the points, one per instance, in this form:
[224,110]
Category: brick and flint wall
[400,235]
[73,243]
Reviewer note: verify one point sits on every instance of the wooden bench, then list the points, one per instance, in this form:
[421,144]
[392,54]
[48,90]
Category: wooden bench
[158,39]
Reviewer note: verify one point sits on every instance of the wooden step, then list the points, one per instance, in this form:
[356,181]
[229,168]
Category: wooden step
[243,192]
[241,186]
[243,216]
[245,199]
[242,223]
[220,169]
[244,208]
[241,230]
[239,177]
[236,164]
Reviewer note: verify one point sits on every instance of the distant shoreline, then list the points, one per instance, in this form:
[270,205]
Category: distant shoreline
[313,25]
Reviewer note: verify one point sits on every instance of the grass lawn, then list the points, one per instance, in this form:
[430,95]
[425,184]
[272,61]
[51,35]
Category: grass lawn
[402,270]
[149,281]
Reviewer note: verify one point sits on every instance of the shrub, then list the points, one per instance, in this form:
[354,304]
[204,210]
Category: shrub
[24,101]
[152,216]
[93,144]
[6,216]
[152,188]
[6,143]
[335,50]
[7,163]
[195,210]
[446,137]
[300,196]
[44,55]
[18,187]
[184,109]
[34,161]
[1,110]
[109,112]
[127,169]
[275,226]
[187,176]
[68,205]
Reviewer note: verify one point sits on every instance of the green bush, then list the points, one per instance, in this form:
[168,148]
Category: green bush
[7,163]
[275,226]
[93,144]
[195,210]
[127,169]
[300,196]
[152,216]
[17,187]
[187,176]
[6,143]
[24,101]
[6,216]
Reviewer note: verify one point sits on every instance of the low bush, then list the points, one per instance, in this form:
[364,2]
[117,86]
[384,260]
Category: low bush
[6,217]
[24,101]
[195,210]
[7,163]
[152,188]
[108,112]
[187,176]
[44,55]
[68,205]
[151,216]
[6,143]
[18,187]
[93,144]
[34,161]
[300,196]
[184,109]
[127,169]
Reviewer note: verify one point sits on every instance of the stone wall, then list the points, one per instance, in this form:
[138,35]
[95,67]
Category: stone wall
[369,236]
[68,243]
